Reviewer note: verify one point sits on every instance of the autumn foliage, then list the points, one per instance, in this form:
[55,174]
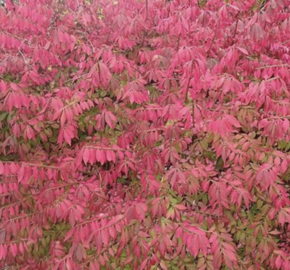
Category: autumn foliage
[144,135]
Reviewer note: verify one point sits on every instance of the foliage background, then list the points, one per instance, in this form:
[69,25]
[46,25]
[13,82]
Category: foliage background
[144,135]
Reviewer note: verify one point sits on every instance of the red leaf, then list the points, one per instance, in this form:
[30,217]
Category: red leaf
[86,155]
[69,234]
[1,168]
[143,264]
[13,249]
[105,237]
[243,50]
[20,174]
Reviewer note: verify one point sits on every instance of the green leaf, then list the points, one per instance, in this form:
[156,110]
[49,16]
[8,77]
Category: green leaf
[204,144]
[219,164]
[3,116]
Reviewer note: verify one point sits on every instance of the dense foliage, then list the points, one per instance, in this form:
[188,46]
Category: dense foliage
[144,134]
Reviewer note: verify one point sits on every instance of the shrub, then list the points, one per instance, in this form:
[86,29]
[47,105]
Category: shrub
[144,135]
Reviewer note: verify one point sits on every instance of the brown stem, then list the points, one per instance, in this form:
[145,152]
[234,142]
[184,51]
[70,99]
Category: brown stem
[146,9]
[235,31]
[187,85]
[211,44]
[178,42]
[193,106]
